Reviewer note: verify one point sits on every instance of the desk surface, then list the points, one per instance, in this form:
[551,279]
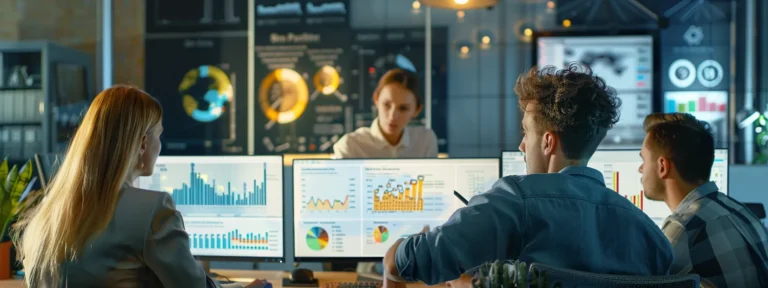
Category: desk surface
[275,277]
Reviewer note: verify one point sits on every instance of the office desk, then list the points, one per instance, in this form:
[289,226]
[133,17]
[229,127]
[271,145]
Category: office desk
[276,277]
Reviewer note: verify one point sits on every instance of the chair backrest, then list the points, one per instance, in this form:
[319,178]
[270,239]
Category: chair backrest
[757,208]
[573,278]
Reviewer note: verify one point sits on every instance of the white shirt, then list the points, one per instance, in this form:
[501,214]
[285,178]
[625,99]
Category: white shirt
[369,142]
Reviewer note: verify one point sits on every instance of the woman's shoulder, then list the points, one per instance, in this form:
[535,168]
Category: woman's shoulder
[145,200]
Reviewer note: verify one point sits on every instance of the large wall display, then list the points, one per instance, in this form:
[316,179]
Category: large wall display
[312,79]
[195,67]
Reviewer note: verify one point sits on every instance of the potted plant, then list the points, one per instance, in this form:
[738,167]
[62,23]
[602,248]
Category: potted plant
[509,274]
[13,184]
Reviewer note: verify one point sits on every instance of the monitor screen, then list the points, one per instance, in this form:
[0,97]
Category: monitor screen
[620,172]
[232,205]
[625,62]
[358,208]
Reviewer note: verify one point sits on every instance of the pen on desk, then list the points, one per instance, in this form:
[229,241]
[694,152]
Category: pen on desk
[458,195]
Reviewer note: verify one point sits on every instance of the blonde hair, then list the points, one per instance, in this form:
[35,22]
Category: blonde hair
[82,197]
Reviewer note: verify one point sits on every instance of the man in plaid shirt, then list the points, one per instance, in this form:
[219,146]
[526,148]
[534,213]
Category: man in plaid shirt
[711,234]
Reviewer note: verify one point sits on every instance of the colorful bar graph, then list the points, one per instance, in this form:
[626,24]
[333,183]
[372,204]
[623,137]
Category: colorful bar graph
[398,198]
[200,193]
[636,200]
[232,240]
[616,181]
[699,105]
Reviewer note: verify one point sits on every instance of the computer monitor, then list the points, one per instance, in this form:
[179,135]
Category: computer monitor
[620,172]
[232,205]
[356,209]
[626,61]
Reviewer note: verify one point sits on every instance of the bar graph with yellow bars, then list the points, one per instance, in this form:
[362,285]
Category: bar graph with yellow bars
[636,199]
[407,197]
[615,181]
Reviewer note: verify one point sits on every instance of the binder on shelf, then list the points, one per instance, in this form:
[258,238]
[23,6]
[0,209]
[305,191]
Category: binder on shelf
[6,106]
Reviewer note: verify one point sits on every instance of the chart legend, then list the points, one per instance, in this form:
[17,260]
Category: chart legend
[400,197]
[317,238]
[380,234]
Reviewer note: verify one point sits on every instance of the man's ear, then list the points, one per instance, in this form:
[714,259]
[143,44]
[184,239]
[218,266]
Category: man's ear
[549,143]
[664,167]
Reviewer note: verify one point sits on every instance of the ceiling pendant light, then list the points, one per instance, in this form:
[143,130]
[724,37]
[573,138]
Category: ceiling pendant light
[460,4]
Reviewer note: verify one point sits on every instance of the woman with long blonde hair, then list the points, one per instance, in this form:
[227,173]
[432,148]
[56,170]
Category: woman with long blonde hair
[94,229]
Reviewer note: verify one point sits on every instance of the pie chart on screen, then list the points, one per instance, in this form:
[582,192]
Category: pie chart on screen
[380,234]
[317,238]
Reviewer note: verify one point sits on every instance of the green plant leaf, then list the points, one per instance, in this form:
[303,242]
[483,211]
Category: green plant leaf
[12,176]
[25,175]
[3,173]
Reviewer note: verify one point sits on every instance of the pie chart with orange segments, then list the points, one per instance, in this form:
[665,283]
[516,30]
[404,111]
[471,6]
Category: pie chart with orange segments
[380,234]
[317,238]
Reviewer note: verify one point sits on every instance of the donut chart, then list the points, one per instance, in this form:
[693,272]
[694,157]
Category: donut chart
[317,238]
[283,95]
[327,80]
[220,92]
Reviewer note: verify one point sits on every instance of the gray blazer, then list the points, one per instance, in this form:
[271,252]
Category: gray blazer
[144,245]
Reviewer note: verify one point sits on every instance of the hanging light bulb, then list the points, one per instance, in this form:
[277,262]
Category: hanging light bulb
[485,38]
[460,15]
[464,48]
[416,7]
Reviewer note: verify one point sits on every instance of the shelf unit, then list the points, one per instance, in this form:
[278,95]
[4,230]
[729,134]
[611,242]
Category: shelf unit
[44,91]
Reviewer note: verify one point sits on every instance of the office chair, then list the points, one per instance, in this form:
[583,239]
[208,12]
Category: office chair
[757,208]
[573,278]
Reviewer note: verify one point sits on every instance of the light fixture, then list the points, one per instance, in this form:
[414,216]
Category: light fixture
[567,23]
[485,38]
[460,4]
[416,7]
[551,4]
[524,29]
[460,15]
[464,48]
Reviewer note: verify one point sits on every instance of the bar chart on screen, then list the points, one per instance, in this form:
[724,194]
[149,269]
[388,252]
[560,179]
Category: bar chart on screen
[705,105]
[228,237]
[209,189]
[399,193]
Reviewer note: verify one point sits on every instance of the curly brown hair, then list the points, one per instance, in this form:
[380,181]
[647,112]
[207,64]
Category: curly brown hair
[573,103]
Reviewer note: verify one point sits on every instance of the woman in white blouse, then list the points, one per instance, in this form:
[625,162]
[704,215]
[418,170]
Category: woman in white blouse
[389,137]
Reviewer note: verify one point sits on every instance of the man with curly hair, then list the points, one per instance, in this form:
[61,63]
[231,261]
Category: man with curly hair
[560,214]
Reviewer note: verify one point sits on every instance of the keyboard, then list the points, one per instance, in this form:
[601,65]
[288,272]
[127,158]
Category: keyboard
[374,284]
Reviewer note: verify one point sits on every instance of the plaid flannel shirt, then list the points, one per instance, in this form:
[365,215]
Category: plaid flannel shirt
[718,238]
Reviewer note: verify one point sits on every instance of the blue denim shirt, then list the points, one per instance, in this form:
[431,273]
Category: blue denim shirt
[567,219]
